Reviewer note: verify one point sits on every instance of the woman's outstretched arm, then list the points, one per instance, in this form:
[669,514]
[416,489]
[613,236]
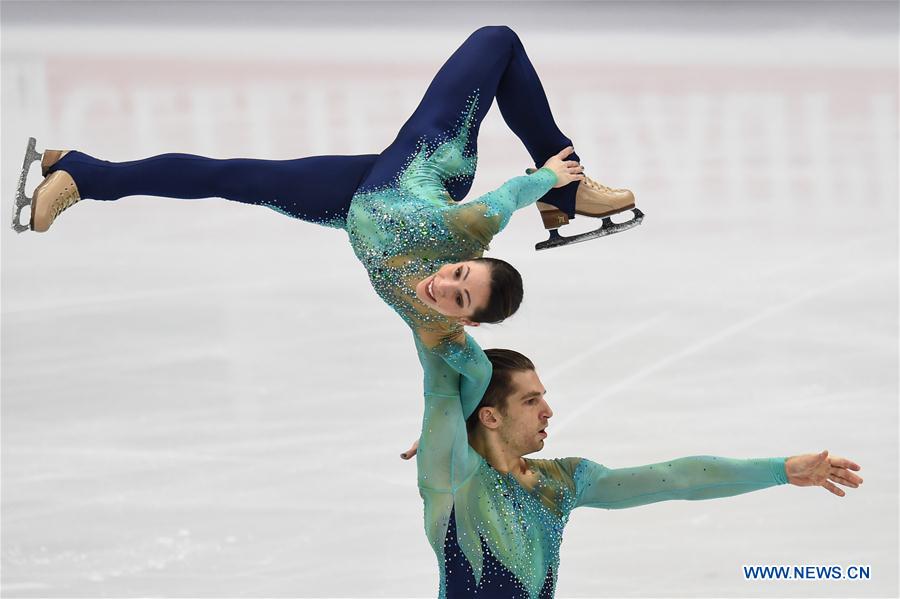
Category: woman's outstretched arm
[445,459]
[484,217]
[462,355]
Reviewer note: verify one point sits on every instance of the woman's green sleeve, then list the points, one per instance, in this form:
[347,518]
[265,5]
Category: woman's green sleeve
[444,459]
[467,359]
[498,206]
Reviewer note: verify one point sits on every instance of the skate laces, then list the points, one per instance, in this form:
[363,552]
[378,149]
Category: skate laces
[65,199]
[595,185]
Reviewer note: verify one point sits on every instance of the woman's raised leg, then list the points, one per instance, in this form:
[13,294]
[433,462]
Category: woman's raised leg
[491,63]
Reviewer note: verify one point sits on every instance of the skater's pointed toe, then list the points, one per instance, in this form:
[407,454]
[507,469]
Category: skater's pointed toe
[595,200]
[55,193]
[591,199]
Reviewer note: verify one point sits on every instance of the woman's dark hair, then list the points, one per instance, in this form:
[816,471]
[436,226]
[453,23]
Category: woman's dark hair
[505,293]
[505,362]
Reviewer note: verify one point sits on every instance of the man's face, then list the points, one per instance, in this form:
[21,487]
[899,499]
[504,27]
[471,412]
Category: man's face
[522,426]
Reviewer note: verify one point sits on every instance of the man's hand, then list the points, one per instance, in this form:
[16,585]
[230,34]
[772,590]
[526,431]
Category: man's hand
[409,453]
[822,470]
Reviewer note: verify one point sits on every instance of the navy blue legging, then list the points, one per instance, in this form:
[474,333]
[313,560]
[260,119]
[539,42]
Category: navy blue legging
[319,188]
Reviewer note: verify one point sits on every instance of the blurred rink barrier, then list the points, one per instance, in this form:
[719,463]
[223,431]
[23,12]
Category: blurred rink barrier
[801,118]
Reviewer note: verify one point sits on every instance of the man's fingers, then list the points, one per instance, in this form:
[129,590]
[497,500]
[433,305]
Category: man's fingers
[846,475]
[836,477]
[843,481]
[845,463]
[837,491]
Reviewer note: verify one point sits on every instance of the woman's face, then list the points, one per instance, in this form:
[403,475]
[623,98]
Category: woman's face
[457,290]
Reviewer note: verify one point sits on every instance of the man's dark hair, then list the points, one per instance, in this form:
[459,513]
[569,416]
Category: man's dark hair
[505,362]
[505,293]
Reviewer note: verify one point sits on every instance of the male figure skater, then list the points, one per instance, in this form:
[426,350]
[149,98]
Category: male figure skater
[495,518]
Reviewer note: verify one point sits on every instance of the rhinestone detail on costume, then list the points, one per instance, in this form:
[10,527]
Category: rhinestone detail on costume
[400,231]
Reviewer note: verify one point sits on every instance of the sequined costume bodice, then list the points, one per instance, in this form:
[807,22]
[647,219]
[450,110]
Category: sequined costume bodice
[406,230]
[501,529]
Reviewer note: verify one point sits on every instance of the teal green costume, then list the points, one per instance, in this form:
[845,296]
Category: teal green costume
[405,231]
[493,518]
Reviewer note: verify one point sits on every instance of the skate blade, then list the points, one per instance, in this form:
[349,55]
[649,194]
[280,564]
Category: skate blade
[21,199]
[606,228]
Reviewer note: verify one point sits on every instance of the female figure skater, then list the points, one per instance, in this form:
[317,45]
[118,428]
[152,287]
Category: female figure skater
[421,249]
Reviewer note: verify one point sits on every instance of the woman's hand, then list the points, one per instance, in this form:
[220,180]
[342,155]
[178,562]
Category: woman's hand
[822,470]
[566,170]
[409,453]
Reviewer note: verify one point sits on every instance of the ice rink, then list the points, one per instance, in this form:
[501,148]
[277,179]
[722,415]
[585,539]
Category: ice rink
[202,398]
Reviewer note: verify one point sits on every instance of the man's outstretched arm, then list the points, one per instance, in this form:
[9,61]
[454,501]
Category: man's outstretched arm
[487,215]
[706,477]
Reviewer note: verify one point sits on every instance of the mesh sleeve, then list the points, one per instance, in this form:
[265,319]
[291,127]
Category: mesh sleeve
[691,478]
[444,459]
[496,207]
[464,356]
